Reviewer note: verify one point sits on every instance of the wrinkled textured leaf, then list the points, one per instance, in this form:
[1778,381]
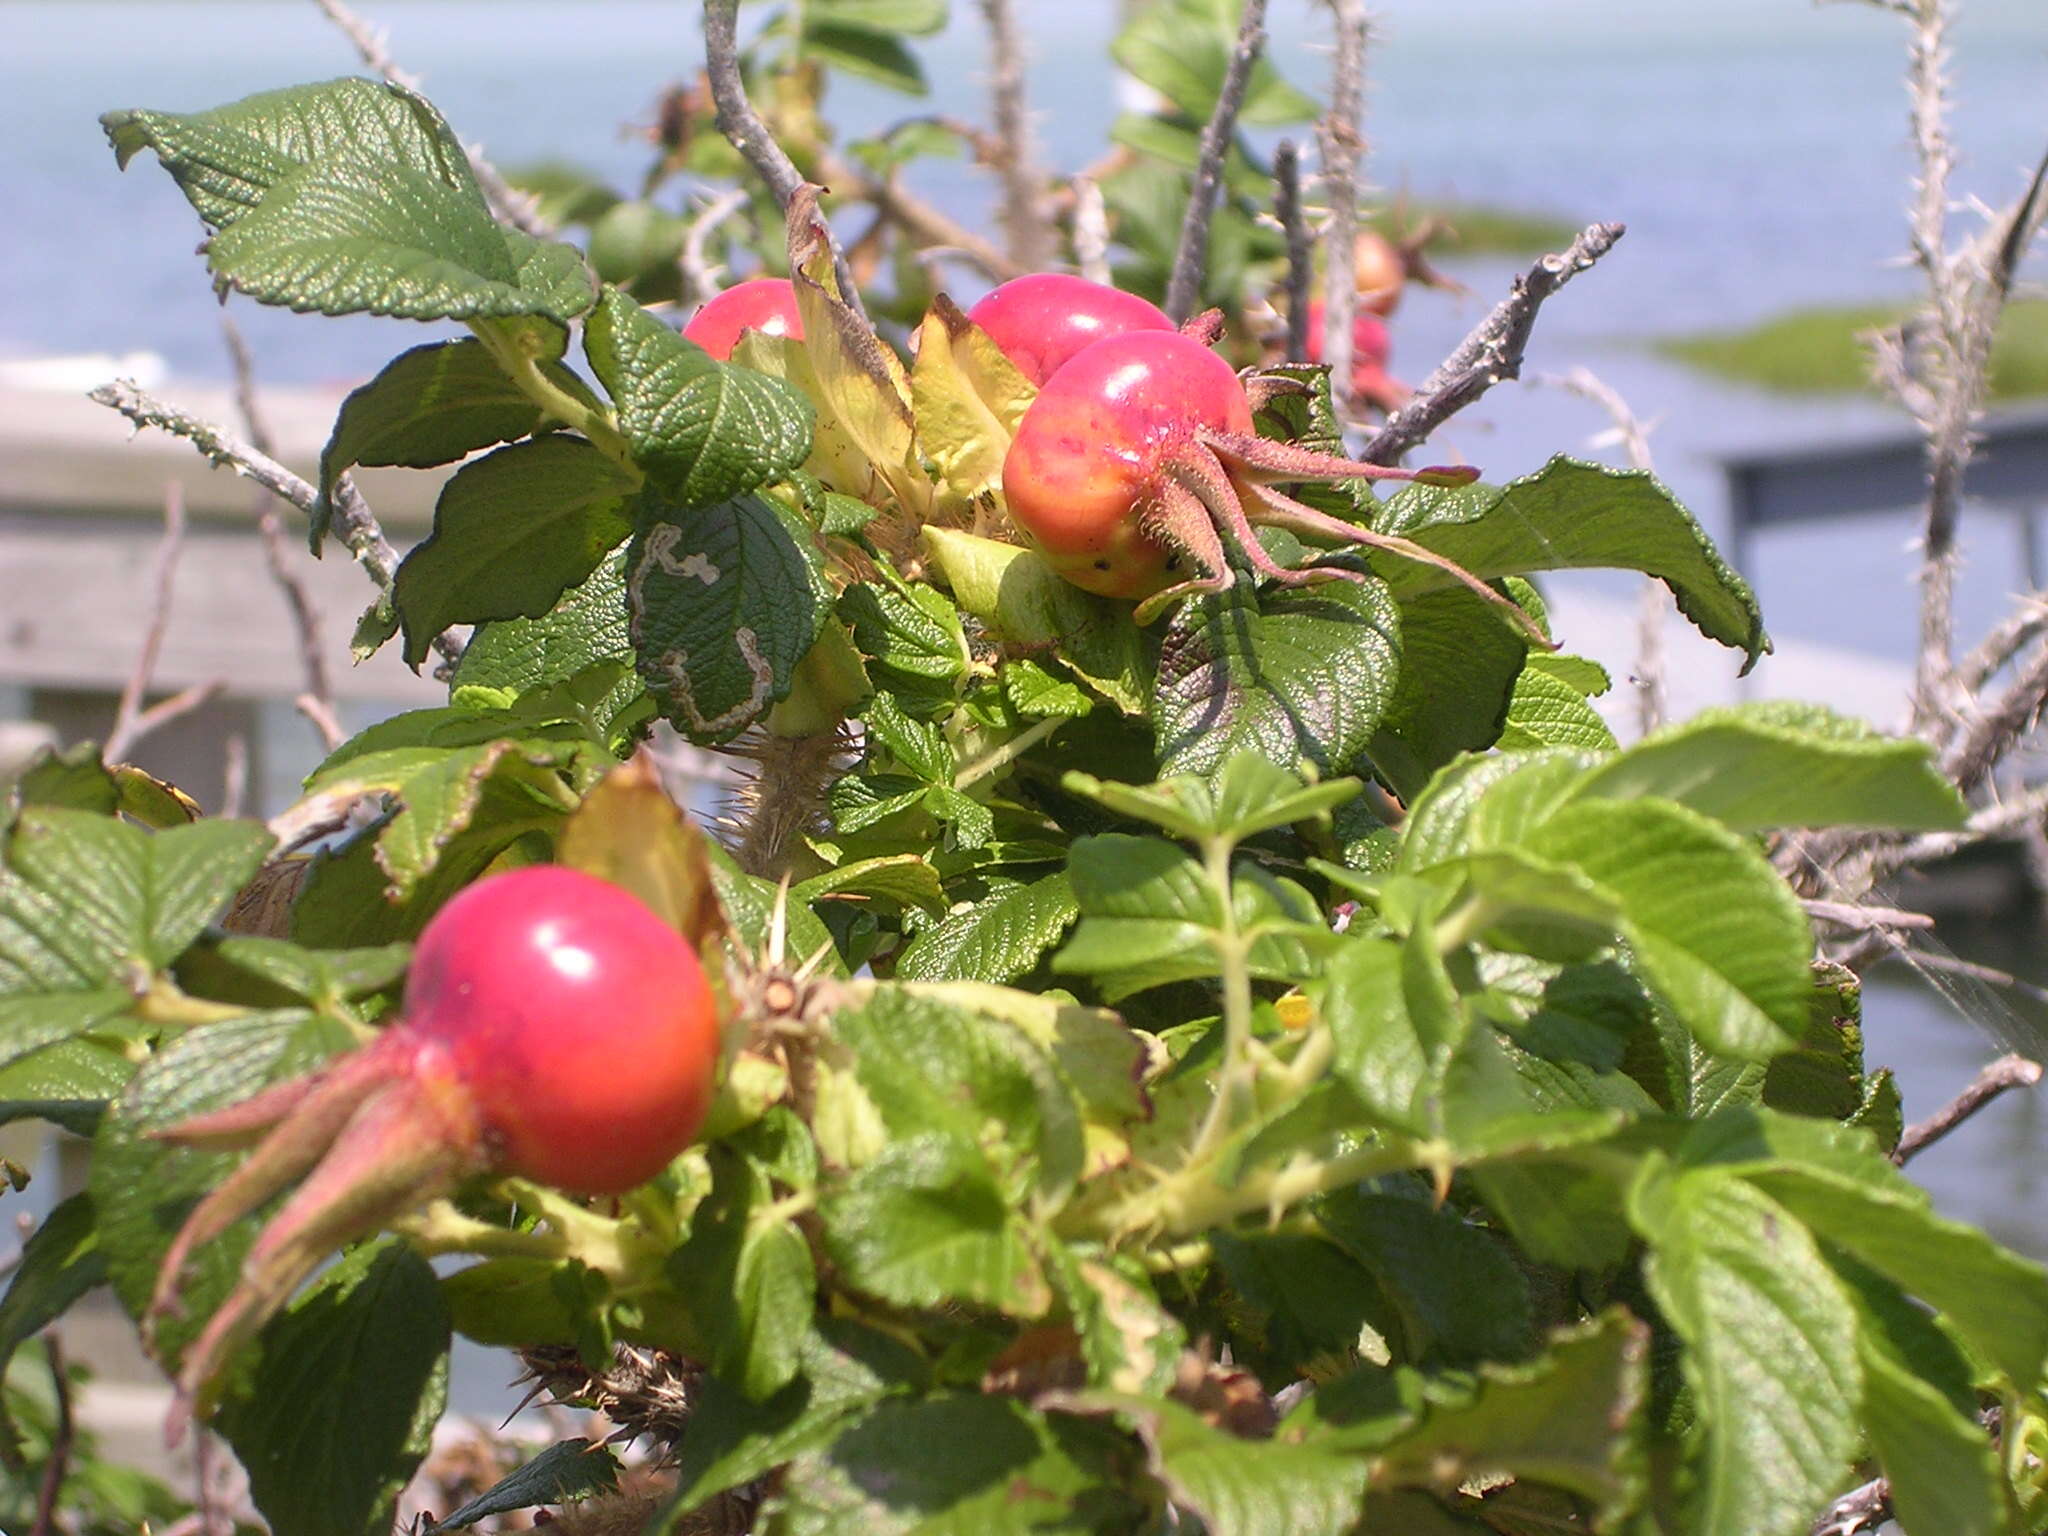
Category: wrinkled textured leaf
[512,533]
[1300,674]
[724,600]
[341,1406]
[704,431]
[569,1469]
[1571,515]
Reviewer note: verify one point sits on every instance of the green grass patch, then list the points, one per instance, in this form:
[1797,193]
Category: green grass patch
[1818,351]
[1479,230]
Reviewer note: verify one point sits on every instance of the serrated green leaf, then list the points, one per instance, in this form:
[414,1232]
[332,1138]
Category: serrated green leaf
[350,234]
[565,1471]
[340,1408]
[329,976]
[1300,674]
[909,633]
[1019,598]
[1834,1180]
[1455,1291]
[512,532]
[143,1188]
[1459,668]
[226,160]
[998,939]
[432,405]
[1295,1297]
[1038,694]
[1245,1487]
[1777,763]
[1708,920]
[899,879]
[585,628]
[1770,1350]
[927,1224]
[748,1282]
[1249,795]
[59,1263]
[961,1464]
[1920,1409]
[1570,1419]
[91,907]
[1572,515]
[1547,711]
[67,1084]
[71,779]
[704,431]
[724,600]
[928,1066]
[1487,802]
[1181,48]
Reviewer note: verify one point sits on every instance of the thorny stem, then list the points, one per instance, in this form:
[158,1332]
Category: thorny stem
[1191,255]
[1300,266]
[1193,1200]
[1024,225]
[744,130]
[1342,144]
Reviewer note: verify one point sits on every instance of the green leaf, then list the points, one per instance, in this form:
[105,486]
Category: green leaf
[341,1407]
[468,799]
[725,600]
[962,1464]
[1181,48]
[72,779]
[143,1188]
[227,160]
[927,1224]
[1571,515]
[432,405]
[1019,598]
[748,1281]
[67,1084]
[1038,694]
[1777,763]
[998,939]
[565,1471]
[929,1066]
[1920,1410]
[1456,1291]
[1770,1350]
[586,627]
[863,51]
[1833,1179]
[91,908]
[1459,670]
[704,431]
[911,637]
[1248,796]
[1296,674]
[1294,1297]
[323,977]
[1547,711]
[914,18]
[512,532]
[1708,920]
[733,1440]
[59,1263]
[1245,1487]
[355,235]
[1570,1419]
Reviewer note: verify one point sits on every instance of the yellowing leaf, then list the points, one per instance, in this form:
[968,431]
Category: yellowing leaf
[628,831]
[860,382]
[968,398]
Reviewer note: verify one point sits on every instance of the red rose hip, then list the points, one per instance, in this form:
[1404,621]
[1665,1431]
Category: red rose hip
[581,1024]
[1043,319]
[766,304]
